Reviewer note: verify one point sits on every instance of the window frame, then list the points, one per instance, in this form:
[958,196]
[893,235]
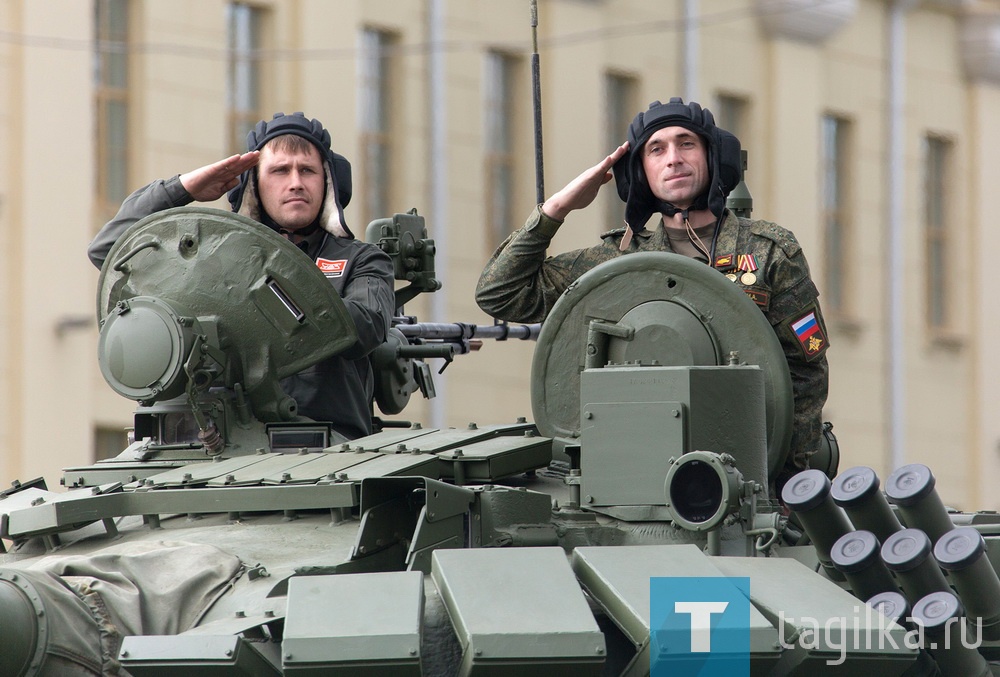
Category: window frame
[621,103]
[111,93]
[732,113]
[378,66]
[837,132]
[244,72]
[500,134]
[937,165]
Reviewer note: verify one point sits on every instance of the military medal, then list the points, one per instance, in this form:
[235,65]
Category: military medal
[731,277]
[748,264]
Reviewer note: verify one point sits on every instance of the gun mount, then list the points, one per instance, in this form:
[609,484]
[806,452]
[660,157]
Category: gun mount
[511,549]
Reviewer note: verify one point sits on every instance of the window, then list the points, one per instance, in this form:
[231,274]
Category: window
[109,442]
[499,135]
[620,106]
[937,157]
[731,114]
[836,215]
[111,60]
[376,64]
[243,42]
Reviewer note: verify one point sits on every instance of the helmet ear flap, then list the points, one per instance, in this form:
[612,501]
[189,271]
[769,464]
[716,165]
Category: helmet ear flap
[621,174]
[730,159]
[623,179]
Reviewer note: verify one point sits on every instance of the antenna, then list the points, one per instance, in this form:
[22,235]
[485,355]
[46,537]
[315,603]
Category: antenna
[536,100]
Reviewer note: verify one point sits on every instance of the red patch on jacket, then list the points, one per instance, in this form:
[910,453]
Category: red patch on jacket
[331,268]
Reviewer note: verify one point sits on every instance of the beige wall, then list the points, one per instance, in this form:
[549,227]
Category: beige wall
[53,395]
[984,383]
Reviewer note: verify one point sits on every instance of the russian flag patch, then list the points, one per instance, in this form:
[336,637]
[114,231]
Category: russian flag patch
[809,334]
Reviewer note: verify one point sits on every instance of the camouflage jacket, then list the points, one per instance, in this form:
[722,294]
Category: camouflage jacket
[519,284]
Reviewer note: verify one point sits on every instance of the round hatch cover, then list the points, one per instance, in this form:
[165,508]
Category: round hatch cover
[681,312]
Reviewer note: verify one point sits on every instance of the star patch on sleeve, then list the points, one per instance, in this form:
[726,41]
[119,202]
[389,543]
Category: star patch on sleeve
[810,334]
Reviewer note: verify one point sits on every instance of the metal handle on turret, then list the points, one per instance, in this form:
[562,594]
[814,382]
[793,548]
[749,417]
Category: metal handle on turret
[597,341]
[120,263]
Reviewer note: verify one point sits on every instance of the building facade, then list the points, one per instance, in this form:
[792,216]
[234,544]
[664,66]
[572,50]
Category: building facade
[869,126]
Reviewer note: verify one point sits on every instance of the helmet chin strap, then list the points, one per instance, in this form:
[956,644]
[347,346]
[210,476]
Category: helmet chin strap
[700,203]
[670,211]
[682,216]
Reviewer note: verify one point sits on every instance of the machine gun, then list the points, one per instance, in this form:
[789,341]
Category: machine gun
[399,363]
[203,312]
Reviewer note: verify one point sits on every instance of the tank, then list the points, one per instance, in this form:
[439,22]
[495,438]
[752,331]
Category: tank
[631,528]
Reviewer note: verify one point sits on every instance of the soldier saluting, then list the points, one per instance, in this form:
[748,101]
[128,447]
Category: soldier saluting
[291,181]
[677,163]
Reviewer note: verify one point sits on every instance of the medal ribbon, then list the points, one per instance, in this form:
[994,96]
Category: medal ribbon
[746,262]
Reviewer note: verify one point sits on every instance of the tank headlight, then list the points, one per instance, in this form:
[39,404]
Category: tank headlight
[142,349]
[702,488]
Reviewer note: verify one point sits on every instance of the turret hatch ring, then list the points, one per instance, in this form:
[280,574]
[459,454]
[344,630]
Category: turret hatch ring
[672,309]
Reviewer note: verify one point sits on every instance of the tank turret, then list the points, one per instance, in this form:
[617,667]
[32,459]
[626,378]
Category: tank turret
[201,314]
[235,538]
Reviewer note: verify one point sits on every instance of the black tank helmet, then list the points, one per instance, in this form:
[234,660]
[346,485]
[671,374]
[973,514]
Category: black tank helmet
[243,197]
[722,147]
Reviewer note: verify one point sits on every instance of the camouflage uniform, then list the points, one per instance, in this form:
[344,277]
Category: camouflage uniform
[519,284]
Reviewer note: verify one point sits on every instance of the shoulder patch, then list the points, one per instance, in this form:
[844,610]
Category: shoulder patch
[782,237]
[809,333]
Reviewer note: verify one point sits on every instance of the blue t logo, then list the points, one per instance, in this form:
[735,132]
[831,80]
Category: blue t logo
[699,627]
[701,622]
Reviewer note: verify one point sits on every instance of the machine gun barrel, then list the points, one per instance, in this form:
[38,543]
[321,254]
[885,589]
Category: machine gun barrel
[462,330]
[400,359]
[425,350]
